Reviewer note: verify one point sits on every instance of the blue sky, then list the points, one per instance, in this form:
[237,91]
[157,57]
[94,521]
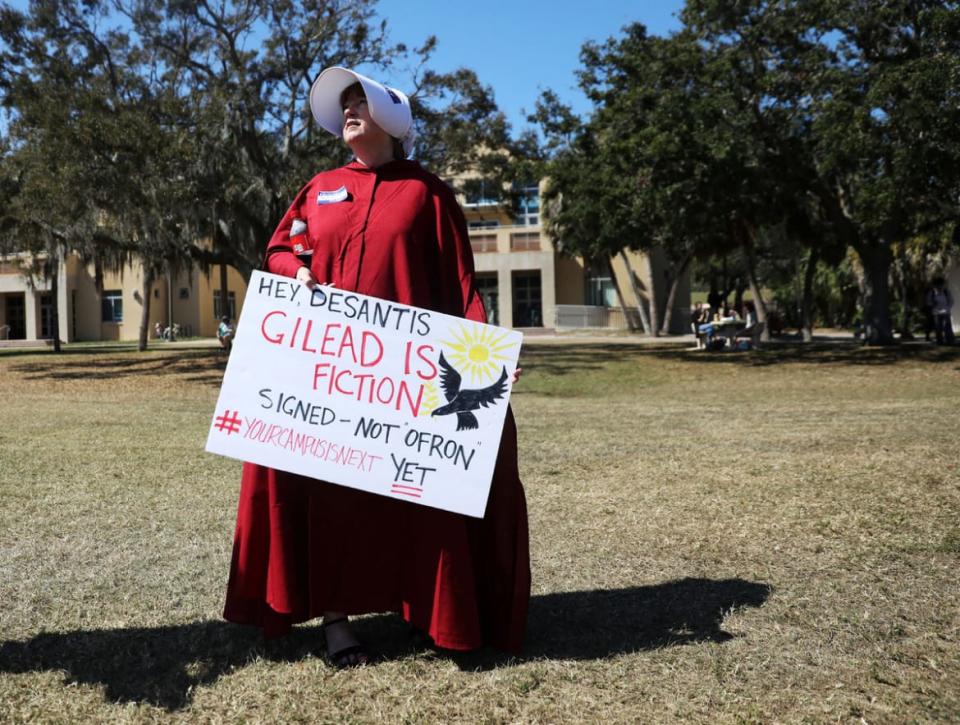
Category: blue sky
[521,47]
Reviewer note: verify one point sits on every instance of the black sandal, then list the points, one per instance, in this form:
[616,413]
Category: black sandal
[353,655]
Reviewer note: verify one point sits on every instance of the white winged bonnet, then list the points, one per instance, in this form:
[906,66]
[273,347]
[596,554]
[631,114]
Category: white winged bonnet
[389,108]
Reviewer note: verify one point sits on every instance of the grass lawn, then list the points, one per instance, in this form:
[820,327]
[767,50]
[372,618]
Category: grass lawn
[770,536]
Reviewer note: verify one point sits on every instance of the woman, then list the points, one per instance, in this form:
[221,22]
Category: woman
[384,227]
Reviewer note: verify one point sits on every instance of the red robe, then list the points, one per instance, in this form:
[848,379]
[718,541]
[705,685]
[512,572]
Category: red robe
[303,547]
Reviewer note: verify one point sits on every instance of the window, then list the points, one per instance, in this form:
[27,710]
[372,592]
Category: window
[16,316]
[601,292]
[527,308]
[487,289]
[482,192]
[483,224]
[111,306]
[46,317]
[483,243]
[525,241]
[528,206]
[231,304]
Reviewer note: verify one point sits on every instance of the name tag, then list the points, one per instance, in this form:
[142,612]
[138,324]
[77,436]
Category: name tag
[332,197]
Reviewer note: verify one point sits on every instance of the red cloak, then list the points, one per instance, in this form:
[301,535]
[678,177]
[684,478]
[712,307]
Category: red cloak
[303,547]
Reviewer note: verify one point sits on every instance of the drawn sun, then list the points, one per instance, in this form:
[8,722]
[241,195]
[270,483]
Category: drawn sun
[477,352]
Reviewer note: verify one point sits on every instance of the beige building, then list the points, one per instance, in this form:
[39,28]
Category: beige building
[188,299]
[525,282]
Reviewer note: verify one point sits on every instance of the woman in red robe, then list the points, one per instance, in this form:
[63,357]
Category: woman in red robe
[384,227]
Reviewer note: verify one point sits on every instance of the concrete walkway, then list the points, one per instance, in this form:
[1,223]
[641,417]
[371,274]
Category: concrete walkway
[538,336]
[588,337]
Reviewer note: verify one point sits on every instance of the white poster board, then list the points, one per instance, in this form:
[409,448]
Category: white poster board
[362,392]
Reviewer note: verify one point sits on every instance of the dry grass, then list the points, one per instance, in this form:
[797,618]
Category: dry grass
[763,537]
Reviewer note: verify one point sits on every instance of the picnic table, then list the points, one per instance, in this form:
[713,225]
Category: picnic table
[727,327]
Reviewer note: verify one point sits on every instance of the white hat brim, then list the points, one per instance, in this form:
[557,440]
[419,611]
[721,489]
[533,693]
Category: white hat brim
[389,108]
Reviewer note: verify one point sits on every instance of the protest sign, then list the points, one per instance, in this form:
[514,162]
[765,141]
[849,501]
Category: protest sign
[367,393]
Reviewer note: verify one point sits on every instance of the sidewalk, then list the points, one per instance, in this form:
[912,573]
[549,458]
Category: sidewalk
[536,336]
[574,337]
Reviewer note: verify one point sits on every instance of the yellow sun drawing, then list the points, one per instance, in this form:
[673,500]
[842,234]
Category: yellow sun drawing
[431,399]
[476,352]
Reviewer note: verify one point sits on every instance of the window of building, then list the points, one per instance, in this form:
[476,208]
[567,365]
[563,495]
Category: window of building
[527,305]
[483,224]
[231,304]
[528,206]
[482,192]
[489,293]
[483,243]
[46,317]
[111,306]
[15,316]
[525,241]
[601,292]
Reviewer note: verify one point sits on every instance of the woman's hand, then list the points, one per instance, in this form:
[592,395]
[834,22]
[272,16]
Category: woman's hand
[306,278]
[516,376]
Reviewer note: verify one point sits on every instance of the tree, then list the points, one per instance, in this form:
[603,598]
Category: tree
[245,70]
[188,123]
[869,93]
[669,169]
[98,144]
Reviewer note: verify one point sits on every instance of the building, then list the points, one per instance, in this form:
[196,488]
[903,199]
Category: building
[190,299]
[524,282]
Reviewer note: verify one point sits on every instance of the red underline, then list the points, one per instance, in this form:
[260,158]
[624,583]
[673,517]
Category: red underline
[407,493]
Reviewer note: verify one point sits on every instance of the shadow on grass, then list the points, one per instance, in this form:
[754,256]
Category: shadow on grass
[163,666]
[561,360]
[204,366]
[836,353]
[605,623]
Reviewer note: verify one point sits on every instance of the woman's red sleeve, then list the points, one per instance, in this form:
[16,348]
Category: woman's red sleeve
[279,257]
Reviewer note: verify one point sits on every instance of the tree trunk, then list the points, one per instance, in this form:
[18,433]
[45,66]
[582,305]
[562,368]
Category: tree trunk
[672,294]
[758,301]
[806,302]
[623,303]
[653,302]
[638,292]
[905,333]
[148,277]
[54,269]
[876,259]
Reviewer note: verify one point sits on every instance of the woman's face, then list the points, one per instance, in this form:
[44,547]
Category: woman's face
[358,126]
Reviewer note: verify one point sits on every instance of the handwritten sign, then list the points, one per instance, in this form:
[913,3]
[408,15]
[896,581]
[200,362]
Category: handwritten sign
[367,393]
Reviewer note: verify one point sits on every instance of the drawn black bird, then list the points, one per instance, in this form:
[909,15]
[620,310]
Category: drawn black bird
[462,402]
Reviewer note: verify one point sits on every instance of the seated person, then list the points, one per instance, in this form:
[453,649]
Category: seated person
[706,328]
[699,315]
[225,332]
[729,314]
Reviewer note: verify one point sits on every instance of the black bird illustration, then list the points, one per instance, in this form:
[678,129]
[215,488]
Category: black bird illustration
[462,402]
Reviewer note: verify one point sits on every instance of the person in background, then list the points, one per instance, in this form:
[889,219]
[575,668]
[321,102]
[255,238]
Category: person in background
[940,302]
[699,314]
[225,333]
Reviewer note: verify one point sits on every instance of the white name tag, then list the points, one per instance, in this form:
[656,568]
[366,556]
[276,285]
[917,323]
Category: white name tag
[332,197]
